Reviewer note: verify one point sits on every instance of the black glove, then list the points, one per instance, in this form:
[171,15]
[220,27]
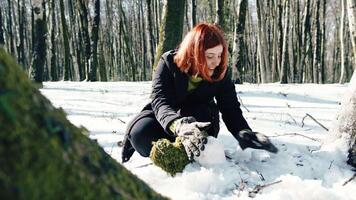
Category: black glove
[193,135]
[255,140]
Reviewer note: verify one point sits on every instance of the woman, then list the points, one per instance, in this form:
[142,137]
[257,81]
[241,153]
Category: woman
[184,86]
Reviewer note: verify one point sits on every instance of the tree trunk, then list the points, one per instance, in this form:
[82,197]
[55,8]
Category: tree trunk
[84,14]
[342,46]
[128,44]
[94,39]
[43,155]
[54,69]
[262,51]
[351,13]
[238,55]
[317,44]
[22,29]
[285,61]
[40,32]
[149,34]
[305,41]
[219,17]
[194,12]
[12,38]
[171,29]
[67,71]
[2,39]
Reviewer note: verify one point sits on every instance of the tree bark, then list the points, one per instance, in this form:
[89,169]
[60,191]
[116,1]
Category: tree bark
[219,17]
[67,71]
[54,64]
[40,32]
[285,55]
[317,44]
[342,46]
[238,55]
[194,12]
[262,51]
[171,29]
[305,41]
[351,13]
[149,33]
[2,39]
[43,155]
[94,39]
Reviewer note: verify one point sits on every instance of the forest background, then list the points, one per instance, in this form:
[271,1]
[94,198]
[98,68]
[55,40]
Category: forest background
[304,41]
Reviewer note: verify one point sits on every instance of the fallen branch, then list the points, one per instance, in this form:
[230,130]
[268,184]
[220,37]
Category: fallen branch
[307,115]
[144,165]
[258,188]
[350,179]
[240,187]
[261,175]
[331,163]
[296,134]
[243,105]
[292,118]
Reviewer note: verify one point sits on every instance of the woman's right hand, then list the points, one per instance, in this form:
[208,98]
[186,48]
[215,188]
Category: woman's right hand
[193,135]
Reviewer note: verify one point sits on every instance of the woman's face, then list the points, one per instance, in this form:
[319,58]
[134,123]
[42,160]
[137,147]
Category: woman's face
[213,58]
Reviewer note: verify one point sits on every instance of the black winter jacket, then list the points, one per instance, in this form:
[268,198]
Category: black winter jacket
[169,94]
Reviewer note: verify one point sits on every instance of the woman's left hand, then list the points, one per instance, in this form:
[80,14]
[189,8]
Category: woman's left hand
[255,140]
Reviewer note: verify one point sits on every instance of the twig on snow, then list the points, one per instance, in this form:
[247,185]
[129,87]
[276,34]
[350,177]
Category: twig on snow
[243,105]
[331,163]
[144,165]
[295,122]
[308,115]
[121,120]
[258,188]
[240,187]
[261,175]
[296,134]
[350,179]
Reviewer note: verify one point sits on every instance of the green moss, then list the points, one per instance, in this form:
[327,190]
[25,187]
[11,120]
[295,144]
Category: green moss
[171,157]
[44,156]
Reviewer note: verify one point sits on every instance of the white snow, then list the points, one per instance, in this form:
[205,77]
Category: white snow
[311,162]
[213,153]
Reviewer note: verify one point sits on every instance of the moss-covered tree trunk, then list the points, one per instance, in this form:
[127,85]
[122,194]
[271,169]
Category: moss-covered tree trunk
[171,28]
[44,156]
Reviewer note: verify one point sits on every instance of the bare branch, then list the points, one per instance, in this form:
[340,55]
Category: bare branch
[258,188]
[292,118]
[308,115]
[331,163]
[350,179]
[243,105]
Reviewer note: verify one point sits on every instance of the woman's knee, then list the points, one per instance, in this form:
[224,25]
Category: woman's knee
[143,133]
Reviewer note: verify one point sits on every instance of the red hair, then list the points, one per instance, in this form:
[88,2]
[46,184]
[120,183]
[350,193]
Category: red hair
[190,57]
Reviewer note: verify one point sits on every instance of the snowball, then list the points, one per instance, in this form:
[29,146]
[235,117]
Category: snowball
[213,153]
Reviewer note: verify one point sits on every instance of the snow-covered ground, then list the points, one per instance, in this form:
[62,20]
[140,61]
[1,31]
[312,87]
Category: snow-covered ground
[309,165]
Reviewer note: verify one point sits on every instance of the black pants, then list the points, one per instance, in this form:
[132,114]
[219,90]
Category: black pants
[145,129]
